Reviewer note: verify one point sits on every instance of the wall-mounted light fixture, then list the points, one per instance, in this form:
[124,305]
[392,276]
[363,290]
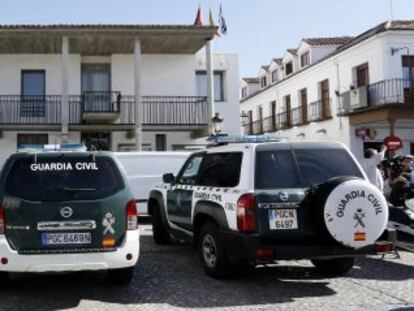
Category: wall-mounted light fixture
[396,50]
[244,118]
[217,123]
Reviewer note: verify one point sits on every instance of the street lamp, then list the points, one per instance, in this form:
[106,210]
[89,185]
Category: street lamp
[217,124]
[244,118]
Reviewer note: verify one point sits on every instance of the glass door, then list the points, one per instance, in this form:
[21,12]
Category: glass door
[96,87]
[33,89]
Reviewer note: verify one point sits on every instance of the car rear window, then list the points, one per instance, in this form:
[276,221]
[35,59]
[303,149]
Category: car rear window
[63,178]
[278,169]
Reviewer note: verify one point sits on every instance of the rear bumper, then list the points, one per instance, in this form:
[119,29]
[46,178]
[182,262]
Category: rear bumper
[242,248]
[71,262]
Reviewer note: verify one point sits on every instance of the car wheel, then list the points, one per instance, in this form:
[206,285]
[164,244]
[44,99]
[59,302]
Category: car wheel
[212,253]
[159,230]
[4,279]
[121,276]
[335,266]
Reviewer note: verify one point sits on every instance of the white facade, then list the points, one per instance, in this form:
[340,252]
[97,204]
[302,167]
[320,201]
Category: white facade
[164,76]
[339,68]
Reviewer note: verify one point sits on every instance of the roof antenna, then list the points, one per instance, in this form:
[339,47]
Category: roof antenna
[391,10]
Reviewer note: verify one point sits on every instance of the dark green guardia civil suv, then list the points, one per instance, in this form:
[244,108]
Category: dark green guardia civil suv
[67,211]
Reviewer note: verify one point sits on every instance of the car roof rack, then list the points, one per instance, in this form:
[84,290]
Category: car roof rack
[33,148]
[218,140]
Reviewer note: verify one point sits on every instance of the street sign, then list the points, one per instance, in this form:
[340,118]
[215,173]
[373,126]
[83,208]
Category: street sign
[393,143]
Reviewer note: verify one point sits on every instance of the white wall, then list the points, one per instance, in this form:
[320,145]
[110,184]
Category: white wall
[376,51]
[229,109]
[12,64]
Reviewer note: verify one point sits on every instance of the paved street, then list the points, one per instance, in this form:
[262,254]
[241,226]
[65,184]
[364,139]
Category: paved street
[171,278]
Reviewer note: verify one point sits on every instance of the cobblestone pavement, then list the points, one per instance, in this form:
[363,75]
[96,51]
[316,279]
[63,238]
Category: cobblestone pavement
[171,278]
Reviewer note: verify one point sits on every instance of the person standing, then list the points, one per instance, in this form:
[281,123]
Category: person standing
[370,165]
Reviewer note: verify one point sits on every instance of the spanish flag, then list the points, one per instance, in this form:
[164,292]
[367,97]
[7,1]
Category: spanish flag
[360,236]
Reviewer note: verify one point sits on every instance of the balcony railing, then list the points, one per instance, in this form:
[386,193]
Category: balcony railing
[101,102]
[269,124]
[385,92]
[297,116]
[320,110]
[182,110]
[283,120]
[17,109]
[156,110]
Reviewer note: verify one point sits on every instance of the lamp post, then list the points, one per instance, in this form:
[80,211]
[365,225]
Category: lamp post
[244,118]
[217,124]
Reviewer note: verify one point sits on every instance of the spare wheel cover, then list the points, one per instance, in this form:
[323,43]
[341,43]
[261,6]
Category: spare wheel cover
[356,213]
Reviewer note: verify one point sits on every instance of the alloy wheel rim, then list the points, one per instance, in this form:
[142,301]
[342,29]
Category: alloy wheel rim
[209,251]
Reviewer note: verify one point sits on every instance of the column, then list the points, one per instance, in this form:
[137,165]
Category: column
[137,93]
[64,110]
[210,86]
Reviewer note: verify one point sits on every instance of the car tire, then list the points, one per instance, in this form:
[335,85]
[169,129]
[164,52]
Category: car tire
[4,279]
[212,252]
[334,267]
[121,276]
[159,231]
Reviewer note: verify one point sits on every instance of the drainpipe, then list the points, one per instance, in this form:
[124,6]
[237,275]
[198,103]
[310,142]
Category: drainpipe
[65,99]
[137,94]
[338,97]
[210,87]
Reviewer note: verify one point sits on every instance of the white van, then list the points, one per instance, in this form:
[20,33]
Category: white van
[144,169]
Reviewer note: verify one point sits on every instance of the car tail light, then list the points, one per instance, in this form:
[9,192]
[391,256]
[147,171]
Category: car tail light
[246,213]
[384,247]
[2,224]
[132,215]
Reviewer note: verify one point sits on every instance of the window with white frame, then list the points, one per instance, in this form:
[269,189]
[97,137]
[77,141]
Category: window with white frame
[244,92]
[305,59]
[263,81]
[289,68]
[274,75]
[201,77]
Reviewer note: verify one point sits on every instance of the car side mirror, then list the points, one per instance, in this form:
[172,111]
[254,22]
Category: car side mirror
[168,178]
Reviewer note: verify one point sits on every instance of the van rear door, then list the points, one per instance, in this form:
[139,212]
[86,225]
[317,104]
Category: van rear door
[57,202]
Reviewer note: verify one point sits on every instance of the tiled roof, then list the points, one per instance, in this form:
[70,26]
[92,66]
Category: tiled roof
[102,26]
[292,51]
[383,27]
[266,67]
[251,80]
[328,40]
[278,60]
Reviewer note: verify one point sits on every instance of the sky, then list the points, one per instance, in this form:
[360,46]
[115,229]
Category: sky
[258,30]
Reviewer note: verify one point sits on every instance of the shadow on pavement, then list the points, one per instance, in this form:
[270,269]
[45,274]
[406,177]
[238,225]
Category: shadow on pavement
[377,269]
[168,275]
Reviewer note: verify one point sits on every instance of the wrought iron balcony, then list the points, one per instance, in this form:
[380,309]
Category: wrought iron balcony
[283,120]
[103,108]
[375,95]
[269,124]
[320,110]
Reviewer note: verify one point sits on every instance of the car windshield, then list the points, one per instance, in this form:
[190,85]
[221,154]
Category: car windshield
[63,178]
[277,168]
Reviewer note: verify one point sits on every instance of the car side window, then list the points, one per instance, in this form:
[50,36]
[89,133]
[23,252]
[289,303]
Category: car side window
[220,169]
[188,174]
